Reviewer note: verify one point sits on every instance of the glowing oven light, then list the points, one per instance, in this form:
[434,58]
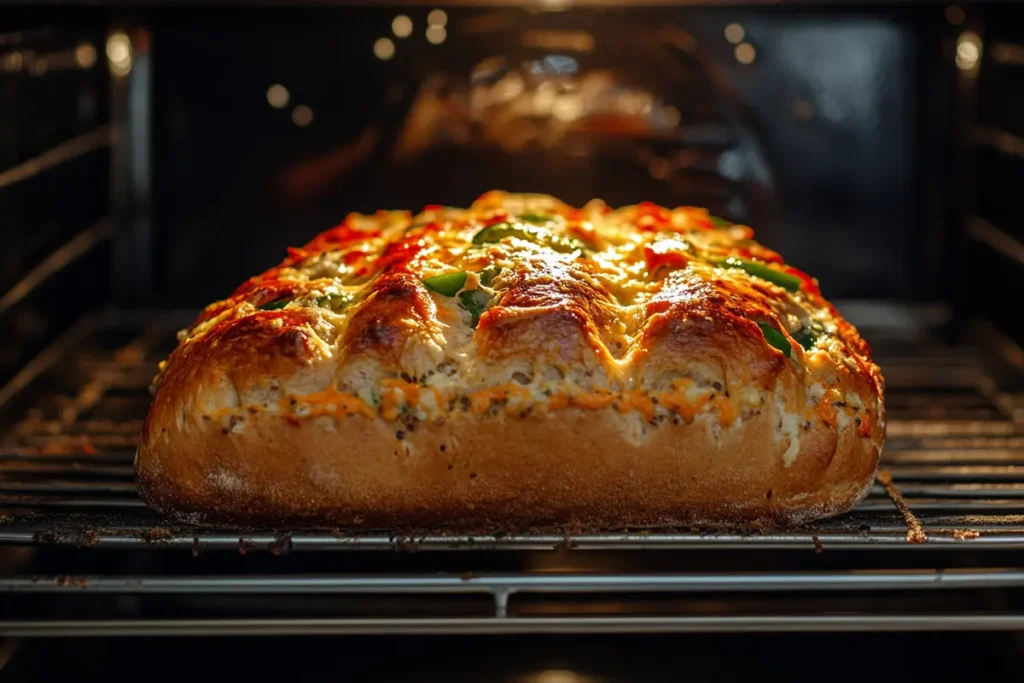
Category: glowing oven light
[745,53]
[401,26]
[384,49]
[734,33]
[302,116]
[277,96]
[437,17]
[119,53]
[436,34]
[85,55]
[12,61]
[558,676]
[968,51]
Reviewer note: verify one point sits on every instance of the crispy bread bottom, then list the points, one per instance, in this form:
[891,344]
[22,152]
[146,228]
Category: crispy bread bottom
[578,468]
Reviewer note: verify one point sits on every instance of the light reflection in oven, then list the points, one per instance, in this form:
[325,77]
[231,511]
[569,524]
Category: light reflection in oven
[557,676]
[119,53]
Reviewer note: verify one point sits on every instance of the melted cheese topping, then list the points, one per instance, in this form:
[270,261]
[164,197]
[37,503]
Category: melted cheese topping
[556,310]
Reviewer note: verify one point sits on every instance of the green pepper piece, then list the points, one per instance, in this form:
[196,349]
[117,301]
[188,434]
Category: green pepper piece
[535,218]
[488,274]
[275,305]
[447,284]
[788,282]
[499,231]
[720,222]
[335,301]
[776,339]
[475,301]
[808,336]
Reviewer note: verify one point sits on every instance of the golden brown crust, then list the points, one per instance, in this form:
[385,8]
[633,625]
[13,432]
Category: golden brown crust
[580,468]
[620,374]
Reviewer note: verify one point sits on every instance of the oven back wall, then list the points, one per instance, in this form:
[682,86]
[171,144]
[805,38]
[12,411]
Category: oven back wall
[54,177]
[823,130]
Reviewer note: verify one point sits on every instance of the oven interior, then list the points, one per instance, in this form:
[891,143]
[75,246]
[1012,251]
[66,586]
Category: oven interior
[152,159]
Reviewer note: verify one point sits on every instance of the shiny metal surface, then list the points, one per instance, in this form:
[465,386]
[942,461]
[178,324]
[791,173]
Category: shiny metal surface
[833,124]
[955,457]
[963,496]
[955,452]
[498,585]
[129,49]
[578,625]
[55,139]
[818,123]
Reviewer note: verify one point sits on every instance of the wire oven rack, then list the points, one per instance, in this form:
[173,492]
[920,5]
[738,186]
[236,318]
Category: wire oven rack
[935,546]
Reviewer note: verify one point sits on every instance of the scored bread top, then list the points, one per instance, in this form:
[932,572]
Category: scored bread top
[522,304]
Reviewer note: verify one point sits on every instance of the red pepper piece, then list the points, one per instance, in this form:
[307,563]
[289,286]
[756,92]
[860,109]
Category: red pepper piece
[663,254]
[810,285]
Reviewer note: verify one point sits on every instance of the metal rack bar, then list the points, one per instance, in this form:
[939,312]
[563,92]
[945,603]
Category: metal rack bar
[97,138]
[57,349]
[996,239]
[893,537]
[131,103]
[954,451]
[988,484]
[999,140]
[511,625]
[71,251]
[497,585]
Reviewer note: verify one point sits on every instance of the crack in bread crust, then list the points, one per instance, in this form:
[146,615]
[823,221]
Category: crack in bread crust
[518,362]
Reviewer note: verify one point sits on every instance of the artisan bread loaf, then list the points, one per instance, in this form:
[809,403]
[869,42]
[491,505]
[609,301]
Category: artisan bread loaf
[517,364]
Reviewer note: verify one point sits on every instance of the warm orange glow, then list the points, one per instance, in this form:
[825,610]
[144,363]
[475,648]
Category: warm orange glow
[734,33]
[437,17]
[401,26]
[12,61]
[384,49]
[85,55]
[302,116]
[968,51]
[277,96]
[745,53]
[119,53]
[436,34]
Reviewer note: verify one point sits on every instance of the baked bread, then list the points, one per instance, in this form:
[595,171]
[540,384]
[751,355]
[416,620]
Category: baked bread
[518,364]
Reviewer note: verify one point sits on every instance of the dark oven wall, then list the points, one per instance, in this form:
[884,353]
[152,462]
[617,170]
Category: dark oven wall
[54,178]
[841,134]
[810,126]
[990,54]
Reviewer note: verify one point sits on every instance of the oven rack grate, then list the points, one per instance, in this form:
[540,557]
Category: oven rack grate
[954,457]
[955,454]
